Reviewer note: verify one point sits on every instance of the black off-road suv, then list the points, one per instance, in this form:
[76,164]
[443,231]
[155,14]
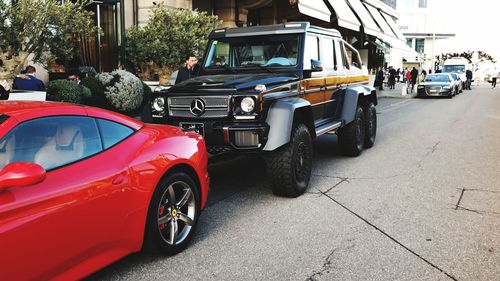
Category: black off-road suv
[271,90]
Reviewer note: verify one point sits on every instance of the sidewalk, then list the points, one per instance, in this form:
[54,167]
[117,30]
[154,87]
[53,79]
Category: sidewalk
[396,93]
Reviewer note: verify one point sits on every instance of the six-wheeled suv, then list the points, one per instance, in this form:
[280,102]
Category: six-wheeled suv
[271,90]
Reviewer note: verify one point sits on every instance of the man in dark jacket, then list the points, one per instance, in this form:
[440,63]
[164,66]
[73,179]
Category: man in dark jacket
[188,71]
[28,81]
[468,75]
[414,75]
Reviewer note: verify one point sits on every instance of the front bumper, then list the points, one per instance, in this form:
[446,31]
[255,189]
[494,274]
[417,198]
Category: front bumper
[229,136]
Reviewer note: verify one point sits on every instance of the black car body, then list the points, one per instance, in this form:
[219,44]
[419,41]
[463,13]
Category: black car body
[437,84]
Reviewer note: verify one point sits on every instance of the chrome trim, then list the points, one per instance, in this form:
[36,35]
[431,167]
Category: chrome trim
[328,128]
[237,117]
[182,104]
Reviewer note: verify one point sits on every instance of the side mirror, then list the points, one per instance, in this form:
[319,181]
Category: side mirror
[20,174]
[316,66]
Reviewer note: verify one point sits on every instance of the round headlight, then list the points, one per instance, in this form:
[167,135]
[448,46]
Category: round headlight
[159,104]
[247,104]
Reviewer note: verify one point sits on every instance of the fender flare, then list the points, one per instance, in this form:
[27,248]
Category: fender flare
[280,119]
[352,95]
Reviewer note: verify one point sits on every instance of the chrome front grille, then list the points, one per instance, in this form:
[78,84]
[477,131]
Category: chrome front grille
[213,106]
[433,90]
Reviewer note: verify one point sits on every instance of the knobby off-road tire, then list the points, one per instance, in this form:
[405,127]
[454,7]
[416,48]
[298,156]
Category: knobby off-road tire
[172,215]
[370,124]
[352,136]
[289,167]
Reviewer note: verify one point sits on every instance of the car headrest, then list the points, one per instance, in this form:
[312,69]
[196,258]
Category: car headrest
[66,137]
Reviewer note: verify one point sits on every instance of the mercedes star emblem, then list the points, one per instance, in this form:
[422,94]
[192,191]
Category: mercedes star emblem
[197,107]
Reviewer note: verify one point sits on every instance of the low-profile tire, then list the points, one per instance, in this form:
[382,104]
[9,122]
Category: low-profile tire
[352,136]
[172,215]
[289,167]
[370,124]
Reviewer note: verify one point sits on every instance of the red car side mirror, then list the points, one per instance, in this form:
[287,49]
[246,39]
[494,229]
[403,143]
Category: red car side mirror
[21,174]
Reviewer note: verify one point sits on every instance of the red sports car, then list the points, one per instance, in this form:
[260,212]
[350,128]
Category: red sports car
[81,187]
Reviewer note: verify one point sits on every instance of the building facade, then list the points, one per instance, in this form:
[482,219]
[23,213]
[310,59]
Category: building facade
[425,33]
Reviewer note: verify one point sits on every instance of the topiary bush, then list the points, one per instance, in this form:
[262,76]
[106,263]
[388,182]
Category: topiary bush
[67,91]
[98,99]
[123,90]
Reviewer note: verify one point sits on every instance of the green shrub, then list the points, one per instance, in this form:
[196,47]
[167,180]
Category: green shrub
[67,91]
[122,89]
[167,37]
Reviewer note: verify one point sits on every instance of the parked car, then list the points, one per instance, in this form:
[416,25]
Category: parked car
[437,84]
[81,187]
[458,83]
[270,90]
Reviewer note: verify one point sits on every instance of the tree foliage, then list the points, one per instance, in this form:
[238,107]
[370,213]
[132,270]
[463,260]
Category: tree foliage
[43,28]
[168,36]
[468,55]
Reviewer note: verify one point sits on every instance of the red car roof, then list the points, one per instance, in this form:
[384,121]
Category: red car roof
[25,110]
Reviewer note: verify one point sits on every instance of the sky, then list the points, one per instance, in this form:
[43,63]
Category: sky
[476,24]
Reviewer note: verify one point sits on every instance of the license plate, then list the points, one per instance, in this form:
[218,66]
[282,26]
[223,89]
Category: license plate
[193,127]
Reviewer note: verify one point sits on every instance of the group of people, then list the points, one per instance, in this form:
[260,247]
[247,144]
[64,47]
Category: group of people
[28,81]
[409,77]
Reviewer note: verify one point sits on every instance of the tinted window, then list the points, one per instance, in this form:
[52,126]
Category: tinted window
[437,78]
[51,142]
[353,56]
[276,50]
[343,60]
[312,53]
[112,132]
[327,55]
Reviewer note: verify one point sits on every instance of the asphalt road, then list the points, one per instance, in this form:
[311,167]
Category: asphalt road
[422,204]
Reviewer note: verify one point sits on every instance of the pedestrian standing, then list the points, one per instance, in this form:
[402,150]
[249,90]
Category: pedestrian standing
[494,80]
[28,81]
[380,79]
[188,71]
[468,75]
[392,77]
[398,75]
[413,75]
[4,90]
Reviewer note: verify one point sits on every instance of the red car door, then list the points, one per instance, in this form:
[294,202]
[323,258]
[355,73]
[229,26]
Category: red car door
[75,219]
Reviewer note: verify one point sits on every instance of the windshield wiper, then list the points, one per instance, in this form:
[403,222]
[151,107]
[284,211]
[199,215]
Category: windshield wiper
[260,66]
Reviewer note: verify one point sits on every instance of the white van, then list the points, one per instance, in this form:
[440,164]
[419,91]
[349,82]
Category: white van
[457,65]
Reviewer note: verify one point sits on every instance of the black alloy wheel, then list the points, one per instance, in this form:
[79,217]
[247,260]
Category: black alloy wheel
[352,136]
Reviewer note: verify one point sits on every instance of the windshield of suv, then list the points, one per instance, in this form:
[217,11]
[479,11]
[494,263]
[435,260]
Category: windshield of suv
[239,52]
[437,78]
[454,68]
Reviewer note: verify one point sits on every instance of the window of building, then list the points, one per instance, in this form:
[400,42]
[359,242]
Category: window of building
[422,3]
[409,42]
[407,4]
[419,45]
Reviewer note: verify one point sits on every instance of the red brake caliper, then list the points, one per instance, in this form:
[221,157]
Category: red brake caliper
[160,214]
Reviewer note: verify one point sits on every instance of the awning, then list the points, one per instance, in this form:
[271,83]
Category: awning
[345,16]
[393,26]
[369,25]
[401,46]
[315,8]
[380,21]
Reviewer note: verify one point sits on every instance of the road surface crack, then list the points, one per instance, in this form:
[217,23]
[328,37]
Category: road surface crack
[390,237]
[324,268]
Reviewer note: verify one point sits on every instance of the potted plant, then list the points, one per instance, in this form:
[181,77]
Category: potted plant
[160,47]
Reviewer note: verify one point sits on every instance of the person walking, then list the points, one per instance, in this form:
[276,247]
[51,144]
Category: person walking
[392,77]
[398,75]
[413,75]
[188,71]
[494,80]
[28,81]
